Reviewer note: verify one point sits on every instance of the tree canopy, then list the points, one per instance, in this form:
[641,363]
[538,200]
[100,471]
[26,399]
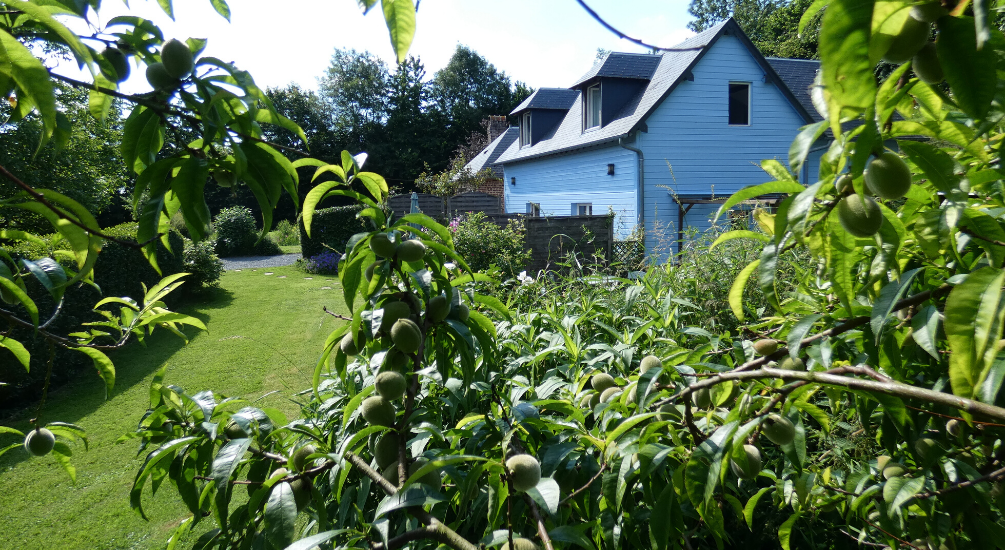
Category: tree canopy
[772,25]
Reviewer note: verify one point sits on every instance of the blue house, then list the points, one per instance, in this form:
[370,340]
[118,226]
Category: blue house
[659,139]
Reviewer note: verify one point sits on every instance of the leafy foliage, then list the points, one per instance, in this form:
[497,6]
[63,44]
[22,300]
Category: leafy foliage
[331,229]
[483,243]
[202,264]
[236,234]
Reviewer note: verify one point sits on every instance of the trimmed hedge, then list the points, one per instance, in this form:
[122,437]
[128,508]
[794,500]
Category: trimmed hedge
[332,227]
[119,271]
[236,234]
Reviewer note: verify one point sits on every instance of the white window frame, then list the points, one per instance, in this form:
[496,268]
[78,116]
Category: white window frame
[525,130]
[590,123]
[750,102]
[534,209]
[582,209]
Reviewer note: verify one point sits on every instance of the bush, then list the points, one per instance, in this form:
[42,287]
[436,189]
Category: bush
[236,234]
[325,263]
[482,243]
[331,228]
[285,234]
[203,264]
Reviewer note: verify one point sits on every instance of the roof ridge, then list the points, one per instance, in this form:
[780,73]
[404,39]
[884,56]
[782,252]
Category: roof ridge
[794,59]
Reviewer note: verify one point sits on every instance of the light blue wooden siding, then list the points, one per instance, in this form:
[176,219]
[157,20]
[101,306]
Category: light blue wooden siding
[557,182]
[690,146]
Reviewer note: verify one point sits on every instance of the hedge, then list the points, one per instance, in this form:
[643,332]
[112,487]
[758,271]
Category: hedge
[119,271]
[332,227]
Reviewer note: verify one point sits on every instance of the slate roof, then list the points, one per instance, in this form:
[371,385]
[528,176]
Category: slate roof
[489,155]
[639,66]
[798,75]
[559,99]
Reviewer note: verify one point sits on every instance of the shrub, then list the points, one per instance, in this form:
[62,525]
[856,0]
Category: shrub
[203,264]
[325,263]
[482,243]
[236,234]
[285,234]
[331,228]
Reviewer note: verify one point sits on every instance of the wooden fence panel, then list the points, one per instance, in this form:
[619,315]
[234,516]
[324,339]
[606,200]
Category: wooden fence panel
[473,201]
[430,205]
[551,239]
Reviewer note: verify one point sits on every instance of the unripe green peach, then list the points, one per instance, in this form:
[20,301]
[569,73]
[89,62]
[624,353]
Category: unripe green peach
[390,473]
[650,362]
[299,457]
[395,360]
[791,363]
[370,269]
[670,412]
[378,411]
[235,431]
[894,469]
[610,394]
[601,381]
[928,449]
[382,246]
[844,184]
[888,176]
[393,310]
[461,313]
[908,41]
[279,473]
[411,251]
[525,472]
[39,442]
[406,335]
[882,461]
[159,78]
[584,402]
[390,385]
[520,543]
[437,309]
[386,450]
[860,216]
[429,478]
[630,391]
[119,63]
[927,66]
[929,12]
[594,400]
[701,398]
[177,58]
[954,427]
[778,429]
[301,492]
[766,346]
[753,463]
[348,346]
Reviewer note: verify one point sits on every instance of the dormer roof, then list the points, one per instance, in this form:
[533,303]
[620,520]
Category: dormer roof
[558,99]
[638,66]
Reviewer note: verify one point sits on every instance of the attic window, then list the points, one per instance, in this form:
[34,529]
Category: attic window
[525,130]
[739,104]
[593,107]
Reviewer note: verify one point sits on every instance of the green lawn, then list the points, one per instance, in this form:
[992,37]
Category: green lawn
[265,334]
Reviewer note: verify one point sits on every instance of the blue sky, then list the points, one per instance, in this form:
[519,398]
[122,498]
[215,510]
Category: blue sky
[540,42]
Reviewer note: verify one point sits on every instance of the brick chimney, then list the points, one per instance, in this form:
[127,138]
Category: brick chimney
[497,126]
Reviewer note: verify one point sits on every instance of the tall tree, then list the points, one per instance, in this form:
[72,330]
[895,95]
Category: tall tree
[355,87]
[772,25]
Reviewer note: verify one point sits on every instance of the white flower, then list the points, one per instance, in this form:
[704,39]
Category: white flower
[524,279]
[450,265]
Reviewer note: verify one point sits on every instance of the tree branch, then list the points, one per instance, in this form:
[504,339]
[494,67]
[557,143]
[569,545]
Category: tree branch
[624,36]
[573,494]
[993,476]
[542,531]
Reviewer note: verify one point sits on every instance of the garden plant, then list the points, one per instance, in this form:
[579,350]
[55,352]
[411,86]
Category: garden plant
[860,406]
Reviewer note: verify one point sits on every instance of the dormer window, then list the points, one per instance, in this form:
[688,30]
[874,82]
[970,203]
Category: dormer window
[525,130]
[593,107]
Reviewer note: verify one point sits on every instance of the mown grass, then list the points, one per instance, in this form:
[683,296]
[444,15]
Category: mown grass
[265,334]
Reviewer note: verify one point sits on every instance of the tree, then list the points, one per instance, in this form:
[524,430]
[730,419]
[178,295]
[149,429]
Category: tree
[772,25]
[355,89]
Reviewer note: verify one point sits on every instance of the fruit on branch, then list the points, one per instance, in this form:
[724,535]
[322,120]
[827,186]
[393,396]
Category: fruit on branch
[926,64]
[368,272]
[844,184]
[766,346]
[390,473]
[928,449]
[893,469]
[348,346]
[235,431]
[701,398]
[882,461]
[669,412]
[650,362]
[525,472]
[395,360]
[908,41]
[928,12]
[119,63]
[159,78]
[954,427]
[386,450]
[429,478]
[887,176]
[406,335]
[378,411]
[630,392]
[411,251]
[224,178]
[520,543]
[859,215]
[610,394]
[778,429]
[390,385]
[437,309]
[602,381]
[39,442]
[393,310]
[279,473]
[177,58]
[584,402]
[299,458]
[382,246]
[413,302]
[753,466]
[301,492]
[461,313]
[791,363]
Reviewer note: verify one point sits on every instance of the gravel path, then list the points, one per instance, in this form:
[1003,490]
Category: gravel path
[248,262]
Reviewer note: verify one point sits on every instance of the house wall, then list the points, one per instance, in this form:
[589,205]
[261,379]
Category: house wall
[690,147]
[557,182]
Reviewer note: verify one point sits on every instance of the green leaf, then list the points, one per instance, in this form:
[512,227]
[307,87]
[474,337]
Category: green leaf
[62,453]
[400,18]
[844,53]
[924,327]
[314,196]
[223,9]
[547,495]
[800,148]
[19,351]
[314,541]
[22,298]
[272,172]
[416,495]
[664,531]
[139,139]
[748,509]
[938,166]
[31,77]
[799,331]
[843,258]
[572,534]
[752,191]
[970,72]
[374,183]
[281,515]
[43,16]
[776,170]
[810,13]
[429,223]
[990,229]
[153,459]
[897,491]
[973,322]
[189,185]
[702,470]
[739,234]
[888,298]
[785,531]
[106,370]
[739,284]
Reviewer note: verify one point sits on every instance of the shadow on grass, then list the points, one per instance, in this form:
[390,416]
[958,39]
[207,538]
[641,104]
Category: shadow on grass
[133,363]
